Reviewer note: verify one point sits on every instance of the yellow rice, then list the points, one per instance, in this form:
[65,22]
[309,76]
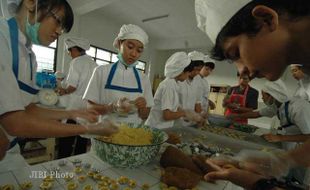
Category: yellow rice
[130,136]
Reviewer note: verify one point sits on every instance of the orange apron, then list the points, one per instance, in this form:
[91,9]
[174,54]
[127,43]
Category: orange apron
[238,99]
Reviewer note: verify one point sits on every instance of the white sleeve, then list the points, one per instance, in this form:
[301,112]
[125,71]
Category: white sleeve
[168,98]
[268,111]
[147,91]
[73,74]
[93,90]
[10,96]
[300,112]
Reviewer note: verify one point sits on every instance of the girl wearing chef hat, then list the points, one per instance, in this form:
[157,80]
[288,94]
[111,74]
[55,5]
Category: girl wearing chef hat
[121,81]
[39,22]
[167,106]
[303,90]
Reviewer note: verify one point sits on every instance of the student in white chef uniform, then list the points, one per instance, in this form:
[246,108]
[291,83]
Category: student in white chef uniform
[206,70]
[167,106]
[80,71]
[119,80]
[190,93]
[303,79]
[18,115]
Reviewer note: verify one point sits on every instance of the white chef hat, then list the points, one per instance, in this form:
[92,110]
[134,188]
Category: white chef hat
[133,32]
[213,15]
[196,56]
[296,65]
[59,75]
[79,42]
[277,90]
[207,59]
[176,64]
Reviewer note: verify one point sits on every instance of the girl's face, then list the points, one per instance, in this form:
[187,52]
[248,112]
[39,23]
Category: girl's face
[51,26]
[182,77]
[297,72]
[131,50]
[205,71]
[267,99]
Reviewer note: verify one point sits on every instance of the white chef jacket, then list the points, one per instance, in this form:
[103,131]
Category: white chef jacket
[303,90]
[166,97]
[80,72]
[189,95]
[124,78]
[204,88]
[11,97]
[298,112]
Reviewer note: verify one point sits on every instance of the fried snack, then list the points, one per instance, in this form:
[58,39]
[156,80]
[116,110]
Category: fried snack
[145,186]
[180,177]
[81,178]
[173,138]
[200,162]
[7,187]
[88,187]
[173,157]
[26,185]
[72,186]
[46,186]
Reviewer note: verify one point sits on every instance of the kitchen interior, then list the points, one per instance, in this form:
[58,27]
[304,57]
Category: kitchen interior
[172,27]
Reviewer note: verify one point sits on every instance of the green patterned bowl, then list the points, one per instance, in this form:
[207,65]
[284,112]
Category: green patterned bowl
[130,156]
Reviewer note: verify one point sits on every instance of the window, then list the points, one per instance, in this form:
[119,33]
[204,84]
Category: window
[104,57]
[46,57]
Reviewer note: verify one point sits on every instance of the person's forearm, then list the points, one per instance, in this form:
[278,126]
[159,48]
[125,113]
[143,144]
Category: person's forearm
[295,138]
[244,110]
[170,115]
[70,90]
[23,124]
[52,114]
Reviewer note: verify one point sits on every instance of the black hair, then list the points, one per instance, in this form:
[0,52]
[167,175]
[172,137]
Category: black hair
[192,65]
[244,22]
[211,65]
[81,50]
[47,6]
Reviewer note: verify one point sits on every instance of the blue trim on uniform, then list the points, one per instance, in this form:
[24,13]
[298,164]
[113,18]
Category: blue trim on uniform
[289,123]
[109,84]
[15,53]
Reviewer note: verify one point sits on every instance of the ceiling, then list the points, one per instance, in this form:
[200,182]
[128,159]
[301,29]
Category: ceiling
[177,30]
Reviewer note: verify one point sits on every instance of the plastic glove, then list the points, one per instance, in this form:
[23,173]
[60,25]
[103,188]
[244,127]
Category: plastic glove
[123,105]
[104,128]
[275,164]
[193,116]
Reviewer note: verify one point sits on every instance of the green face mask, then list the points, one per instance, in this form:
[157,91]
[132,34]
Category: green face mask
[32,31]
[121,59]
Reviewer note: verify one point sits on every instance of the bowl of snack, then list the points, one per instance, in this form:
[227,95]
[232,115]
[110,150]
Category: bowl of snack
[134,145]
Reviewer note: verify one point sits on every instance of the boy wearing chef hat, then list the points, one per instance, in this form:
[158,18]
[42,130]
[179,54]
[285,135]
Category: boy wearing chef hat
[303,81]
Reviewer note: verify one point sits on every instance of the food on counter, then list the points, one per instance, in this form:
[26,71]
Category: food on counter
[78,170]
[122,180]
[46,185]
[91,174]
[225,132]
[114,186]
[180,177]
[172,188]
[127,188]
[82,178]
[163,186]
[104,188]
[72,186]
[7,187]
[49,178]
[97,176]
[173,157]
[106,179]
[130,136]
[145,186]
[132,183]
[103,184]
[26,185]
[173,138]
[88,187]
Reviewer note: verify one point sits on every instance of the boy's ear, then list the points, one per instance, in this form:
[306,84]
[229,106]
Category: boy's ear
[266,16]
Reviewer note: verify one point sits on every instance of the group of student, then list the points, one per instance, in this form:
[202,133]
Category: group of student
[262,37]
